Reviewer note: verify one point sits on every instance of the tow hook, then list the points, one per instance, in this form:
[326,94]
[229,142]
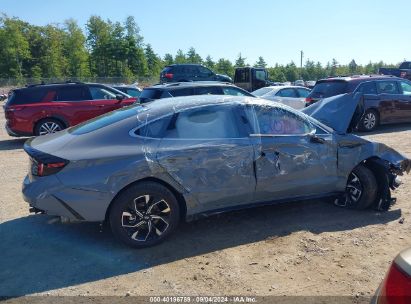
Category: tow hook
[36,210]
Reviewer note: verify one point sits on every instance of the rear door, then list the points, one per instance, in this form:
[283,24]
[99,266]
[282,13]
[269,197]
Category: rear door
[290,162]
[404,105]
[390,100]
[205,150]
[73,103]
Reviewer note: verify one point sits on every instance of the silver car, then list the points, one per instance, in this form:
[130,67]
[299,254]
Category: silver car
[293,96]
[145,168]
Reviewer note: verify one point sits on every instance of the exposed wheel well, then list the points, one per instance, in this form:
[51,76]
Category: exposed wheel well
[180,198]
[46,118]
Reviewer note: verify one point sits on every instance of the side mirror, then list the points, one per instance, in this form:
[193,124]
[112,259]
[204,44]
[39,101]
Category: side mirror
[119,97]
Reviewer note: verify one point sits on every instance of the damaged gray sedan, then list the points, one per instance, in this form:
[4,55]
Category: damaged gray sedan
[145,168]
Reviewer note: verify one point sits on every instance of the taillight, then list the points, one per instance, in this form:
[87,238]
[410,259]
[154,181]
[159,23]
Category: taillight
[40,169]
[396,288]
[403,74]
[308,100]
[168,75]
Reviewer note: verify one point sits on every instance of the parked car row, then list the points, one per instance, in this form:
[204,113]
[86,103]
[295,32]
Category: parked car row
[386,99]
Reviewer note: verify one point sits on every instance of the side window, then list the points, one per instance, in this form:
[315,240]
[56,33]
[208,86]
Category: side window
[368,88]
[278,121]
[101,93]
[182,92]
[406,88]
[242,75]
[287,93]
[154,129]
[387,87]
[233,92]
[204,72]
[72,93]
[303,92]
[260,75]
[213,122]
[208,91]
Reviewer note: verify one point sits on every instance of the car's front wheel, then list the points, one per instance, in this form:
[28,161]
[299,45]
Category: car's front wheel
[370,121]
[144,214]
[361,189]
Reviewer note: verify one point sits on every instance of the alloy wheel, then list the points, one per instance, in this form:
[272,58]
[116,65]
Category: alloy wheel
[146,218]
[353,192]
[49,127]
[370,121]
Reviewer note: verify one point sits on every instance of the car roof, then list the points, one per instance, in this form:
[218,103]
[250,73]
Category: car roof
[358,78]
[183,64]
[59,84]
[277,88]
[189,84]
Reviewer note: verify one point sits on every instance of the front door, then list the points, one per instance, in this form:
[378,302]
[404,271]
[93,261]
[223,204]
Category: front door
[404,104]
[292,157]
[205,152]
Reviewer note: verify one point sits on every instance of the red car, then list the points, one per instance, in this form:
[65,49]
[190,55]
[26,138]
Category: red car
[48,108]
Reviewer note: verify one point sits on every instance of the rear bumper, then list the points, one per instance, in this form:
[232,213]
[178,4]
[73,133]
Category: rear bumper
[15,133]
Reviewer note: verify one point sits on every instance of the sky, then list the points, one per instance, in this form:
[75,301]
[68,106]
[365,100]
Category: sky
[277,30]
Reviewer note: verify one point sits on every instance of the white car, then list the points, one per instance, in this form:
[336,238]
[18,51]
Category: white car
[293,96]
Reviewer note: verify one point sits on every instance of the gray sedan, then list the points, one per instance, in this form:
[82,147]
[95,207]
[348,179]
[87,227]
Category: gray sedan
[145,168]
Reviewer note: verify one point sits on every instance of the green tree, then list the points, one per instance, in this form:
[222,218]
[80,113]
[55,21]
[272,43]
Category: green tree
[75,51]
[260,63]
[353,67]
[168,59]
[240,61]
[224,66]
[14,50]
[180,57]
[193,57]
[209,62]
[153,61]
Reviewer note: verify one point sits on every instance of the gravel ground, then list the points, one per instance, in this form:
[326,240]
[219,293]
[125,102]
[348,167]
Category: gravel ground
[307,248]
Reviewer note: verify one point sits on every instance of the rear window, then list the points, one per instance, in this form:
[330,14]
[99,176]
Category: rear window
[149,95]
[105,120]
[242,75]
[262,91]
[26,96]
[329,88]
[166,70]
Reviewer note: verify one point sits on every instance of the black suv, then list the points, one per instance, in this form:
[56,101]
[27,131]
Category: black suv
[190,72]
[338,85]
[178,89]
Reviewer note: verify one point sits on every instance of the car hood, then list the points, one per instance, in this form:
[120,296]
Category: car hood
[340,112]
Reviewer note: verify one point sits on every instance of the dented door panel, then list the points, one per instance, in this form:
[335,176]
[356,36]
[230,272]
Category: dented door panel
[293,166]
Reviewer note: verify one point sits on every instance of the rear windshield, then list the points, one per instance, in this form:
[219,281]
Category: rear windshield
[149,95]
[262,91]
[329,88]
[166,69]
[105,120]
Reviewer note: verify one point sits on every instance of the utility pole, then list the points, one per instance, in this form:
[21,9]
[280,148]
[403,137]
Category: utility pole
[301,64]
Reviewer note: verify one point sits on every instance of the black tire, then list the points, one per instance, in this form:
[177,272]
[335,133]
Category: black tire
[370,121]
[363,180]
[153,225]
[51,124]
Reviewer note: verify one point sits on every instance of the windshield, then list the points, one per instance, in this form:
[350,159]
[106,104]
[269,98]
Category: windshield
[262,91]
[329,88]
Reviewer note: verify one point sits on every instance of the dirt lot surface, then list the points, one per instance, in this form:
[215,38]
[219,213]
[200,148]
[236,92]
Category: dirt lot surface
[308,248]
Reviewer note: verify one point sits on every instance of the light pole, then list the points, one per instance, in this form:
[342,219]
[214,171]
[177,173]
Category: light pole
[301,64]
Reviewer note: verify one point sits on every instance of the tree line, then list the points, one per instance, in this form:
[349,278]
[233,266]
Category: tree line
[117,49]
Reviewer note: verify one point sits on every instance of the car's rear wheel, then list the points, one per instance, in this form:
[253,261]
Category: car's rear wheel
[144,214]
[370,121]
[361,189]
[48,126]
